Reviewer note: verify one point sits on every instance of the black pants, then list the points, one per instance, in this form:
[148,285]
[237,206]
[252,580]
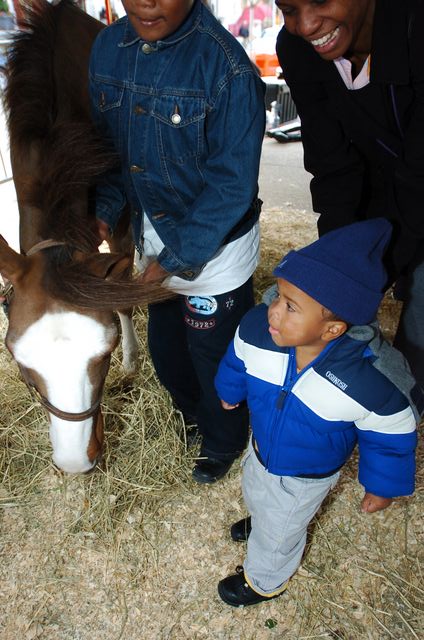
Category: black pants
[187,338]
[409,338]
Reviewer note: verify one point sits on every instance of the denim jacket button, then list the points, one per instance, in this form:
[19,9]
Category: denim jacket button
[146,48]
[134,168]
[176,118]
[138,109]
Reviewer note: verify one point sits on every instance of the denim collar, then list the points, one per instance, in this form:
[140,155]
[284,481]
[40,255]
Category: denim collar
[187,27]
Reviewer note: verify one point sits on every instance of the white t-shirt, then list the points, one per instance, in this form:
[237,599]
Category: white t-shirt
[231,266]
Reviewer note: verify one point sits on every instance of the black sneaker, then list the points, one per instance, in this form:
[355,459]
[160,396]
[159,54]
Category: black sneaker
[240,530]
[210,470]
[235,591]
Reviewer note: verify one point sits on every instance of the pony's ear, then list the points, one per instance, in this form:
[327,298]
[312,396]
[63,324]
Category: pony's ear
[12,264]
[109,266]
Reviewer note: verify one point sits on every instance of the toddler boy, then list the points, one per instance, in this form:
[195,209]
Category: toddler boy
[318,379]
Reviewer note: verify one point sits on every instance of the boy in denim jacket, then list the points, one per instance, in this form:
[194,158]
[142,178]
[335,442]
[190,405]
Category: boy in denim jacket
[184,108]
[318,380]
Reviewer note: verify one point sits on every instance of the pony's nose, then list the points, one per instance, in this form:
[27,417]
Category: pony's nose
[72,466]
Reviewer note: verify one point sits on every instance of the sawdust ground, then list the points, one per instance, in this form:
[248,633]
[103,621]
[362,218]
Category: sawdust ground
[151,573]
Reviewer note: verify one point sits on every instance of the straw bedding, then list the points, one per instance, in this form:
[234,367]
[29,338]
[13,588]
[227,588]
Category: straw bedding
[134,550]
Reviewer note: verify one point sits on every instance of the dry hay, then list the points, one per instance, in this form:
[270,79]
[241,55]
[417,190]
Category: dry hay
[134,550]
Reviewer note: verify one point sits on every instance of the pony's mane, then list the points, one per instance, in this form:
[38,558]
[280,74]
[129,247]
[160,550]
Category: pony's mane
[68,280]
[56,129]
[31,96]
[75,160]
[48,113]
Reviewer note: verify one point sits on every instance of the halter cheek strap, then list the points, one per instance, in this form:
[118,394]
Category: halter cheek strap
[44,244]
[6,289]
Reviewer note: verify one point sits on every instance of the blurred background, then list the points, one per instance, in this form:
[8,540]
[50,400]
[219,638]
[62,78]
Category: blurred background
[254,23]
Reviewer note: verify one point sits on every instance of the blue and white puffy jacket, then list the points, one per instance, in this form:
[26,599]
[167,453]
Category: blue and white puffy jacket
[308,423]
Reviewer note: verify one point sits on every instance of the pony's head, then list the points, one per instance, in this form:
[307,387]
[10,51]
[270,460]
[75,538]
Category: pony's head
[63,351]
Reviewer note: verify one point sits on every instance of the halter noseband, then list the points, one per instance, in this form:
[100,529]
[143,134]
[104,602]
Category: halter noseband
[63,415]
[69,416]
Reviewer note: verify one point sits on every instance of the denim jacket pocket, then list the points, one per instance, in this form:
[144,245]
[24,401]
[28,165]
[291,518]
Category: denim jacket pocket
[179,124]
[107,100]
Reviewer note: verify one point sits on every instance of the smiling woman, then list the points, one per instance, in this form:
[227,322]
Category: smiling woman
[332,27]
[358,90]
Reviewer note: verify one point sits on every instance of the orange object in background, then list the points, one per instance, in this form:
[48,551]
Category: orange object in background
[108,8]
[267,63]
[262,52]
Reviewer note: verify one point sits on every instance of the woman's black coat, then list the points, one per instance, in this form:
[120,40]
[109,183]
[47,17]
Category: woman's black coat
[365,148]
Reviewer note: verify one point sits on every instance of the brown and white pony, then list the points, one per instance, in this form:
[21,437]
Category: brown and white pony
[62,328]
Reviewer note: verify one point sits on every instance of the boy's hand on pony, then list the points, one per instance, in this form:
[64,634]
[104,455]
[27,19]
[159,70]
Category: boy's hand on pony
[153,273]
[227,406]
[371,503]
[103,230]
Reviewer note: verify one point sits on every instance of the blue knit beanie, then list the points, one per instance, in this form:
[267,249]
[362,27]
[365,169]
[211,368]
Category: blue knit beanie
[343,270]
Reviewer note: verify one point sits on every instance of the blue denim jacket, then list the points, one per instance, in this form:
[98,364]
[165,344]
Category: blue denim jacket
[187,117]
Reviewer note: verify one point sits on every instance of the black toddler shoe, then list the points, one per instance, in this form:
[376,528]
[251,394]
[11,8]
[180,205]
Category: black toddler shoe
[210,470]
[235,591]
[240,530]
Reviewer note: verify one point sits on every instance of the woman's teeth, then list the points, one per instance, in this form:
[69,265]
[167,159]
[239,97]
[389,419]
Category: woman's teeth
[326,39]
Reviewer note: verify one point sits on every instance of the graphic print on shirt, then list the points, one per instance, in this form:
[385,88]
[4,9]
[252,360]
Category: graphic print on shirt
[203,306]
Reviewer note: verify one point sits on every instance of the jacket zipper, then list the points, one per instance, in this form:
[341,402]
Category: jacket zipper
[281,404]
[284,396]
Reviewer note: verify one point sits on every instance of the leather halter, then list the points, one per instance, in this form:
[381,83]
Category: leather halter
[6,289]
[68,416]
[44,244]
[63,415]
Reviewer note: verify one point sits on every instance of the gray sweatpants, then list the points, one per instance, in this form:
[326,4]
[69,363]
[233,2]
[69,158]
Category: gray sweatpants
[281,508]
